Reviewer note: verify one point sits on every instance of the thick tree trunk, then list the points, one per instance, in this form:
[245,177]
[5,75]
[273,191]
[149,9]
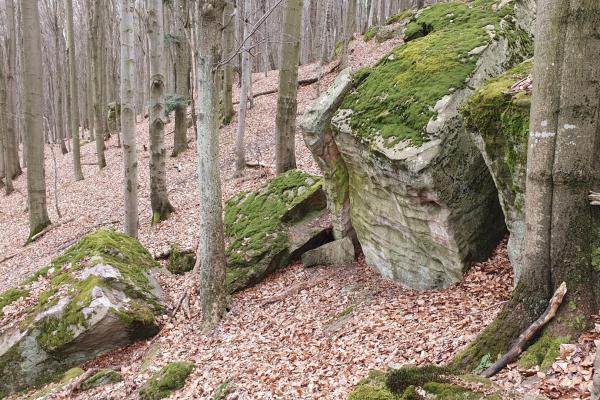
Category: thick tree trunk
[212,242]
[285,150]
[130,162]
[228,36]
[161,207]
[32,110]
[11,143]
[74,105]
[97,26]
[563,165]
[182,77]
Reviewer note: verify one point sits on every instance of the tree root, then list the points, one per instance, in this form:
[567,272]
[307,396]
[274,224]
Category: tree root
[521,344]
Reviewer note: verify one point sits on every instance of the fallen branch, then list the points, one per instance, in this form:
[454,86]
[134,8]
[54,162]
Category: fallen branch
[71,241]
[258,165]
[521,344]
[75,385]
[48,229]
[594,199]
[297,288]
[8,257]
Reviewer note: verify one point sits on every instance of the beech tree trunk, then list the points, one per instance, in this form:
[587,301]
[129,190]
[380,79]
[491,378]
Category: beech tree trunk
[182,77]
[130,162]
[161,207]
[5,169]
[285,150]
[349,16]
[99,73]
[74,120]
[228,36]
[563,165]
[32,110]
[240,148]
[212,240]
[10,144]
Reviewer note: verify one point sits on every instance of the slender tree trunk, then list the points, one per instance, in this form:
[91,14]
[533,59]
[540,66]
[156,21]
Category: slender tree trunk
[32,109]
[128,117]
[212,242]
[563,165]
[97,26]
[59,121]
[161,207]
[348,31]
[228,36]
[5,168]
[287,104]
[240,148]
[182,77]
[11,143]
[74,105]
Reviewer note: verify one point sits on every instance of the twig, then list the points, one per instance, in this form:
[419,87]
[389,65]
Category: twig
[521,344]
[75,385]
[8,257]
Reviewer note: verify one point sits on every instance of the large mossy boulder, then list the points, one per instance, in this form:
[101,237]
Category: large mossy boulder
[98,296]
[421,199]
[497,116]
[258,226]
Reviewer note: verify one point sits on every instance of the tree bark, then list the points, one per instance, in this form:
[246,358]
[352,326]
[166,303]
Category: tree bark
[161,207]
[74,104]
[348,31]
[97,26]
[32,109]
[228,36]
[212,242]
[130,162]
[11,144]
[182,77]
[240,148]
[5,168]
[563,165]
[285,150]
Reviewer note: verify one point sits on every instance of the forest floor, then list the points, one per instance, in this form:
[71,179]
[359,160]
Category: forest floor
[315,343]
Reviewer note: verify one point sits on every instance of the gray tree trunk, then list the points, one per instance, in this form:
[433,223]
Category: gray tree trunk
[130,162]
[240,148]
[99,73]
[12,148]
[212,242]
[182,77]
[32,110]
[161,207]
[287,104]
[5,168]
[228,37]
[74,105]
[349,15]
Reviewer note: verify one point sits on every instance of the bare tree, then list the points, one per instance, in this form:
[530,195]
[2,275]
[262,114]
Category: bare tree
[212,242]
[182,76]
[32,109]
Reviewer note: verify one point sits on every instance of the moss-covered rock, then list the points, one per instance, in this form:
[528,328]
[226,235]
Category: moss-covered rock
[101,378]
[498,120]
[114,116]
[422,202]
[170,378]
[256,225]
[99,295]
[181,261]
[373,387]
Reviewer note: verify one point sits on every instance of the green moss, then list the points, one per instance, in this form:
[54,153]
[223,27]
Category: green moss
[398,380]
[372,388]
[445,391]
[543,352]
[10,296]
[180,261]
[370,34]
[253,220]
[71,374]
[396,100]
[503,122]
[101,378]
[171,377]
[596,259]
[411,394]
[399,17]
[37,229]
[222,391]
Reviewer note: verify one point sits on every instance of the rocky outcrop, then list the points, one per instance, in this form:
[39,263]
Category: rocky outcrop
[421,200]
[95,298]
[497,116]
[338,252]
[268,228]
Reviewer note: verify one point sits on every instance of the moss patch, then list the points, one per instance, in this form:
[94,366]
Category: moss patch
[372,388]
[399,17]
[10,296]
[543,352]
[398,380]
[396,100]
[181,261]
[254,221]
[171,377]
[101,378]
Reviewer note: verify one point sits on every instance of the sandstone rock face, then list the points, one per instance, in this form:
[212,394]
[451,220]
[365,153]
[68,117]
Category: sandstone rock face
[269,227]
[498,119]
[97,297]
[421,199]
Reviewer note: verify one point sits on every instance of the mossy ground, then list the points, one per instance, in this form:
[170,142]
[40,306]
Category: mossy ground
[409,383]
[396,99]
[253,220]
[503,122]
[10,296]
[102,377]
[171,377]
